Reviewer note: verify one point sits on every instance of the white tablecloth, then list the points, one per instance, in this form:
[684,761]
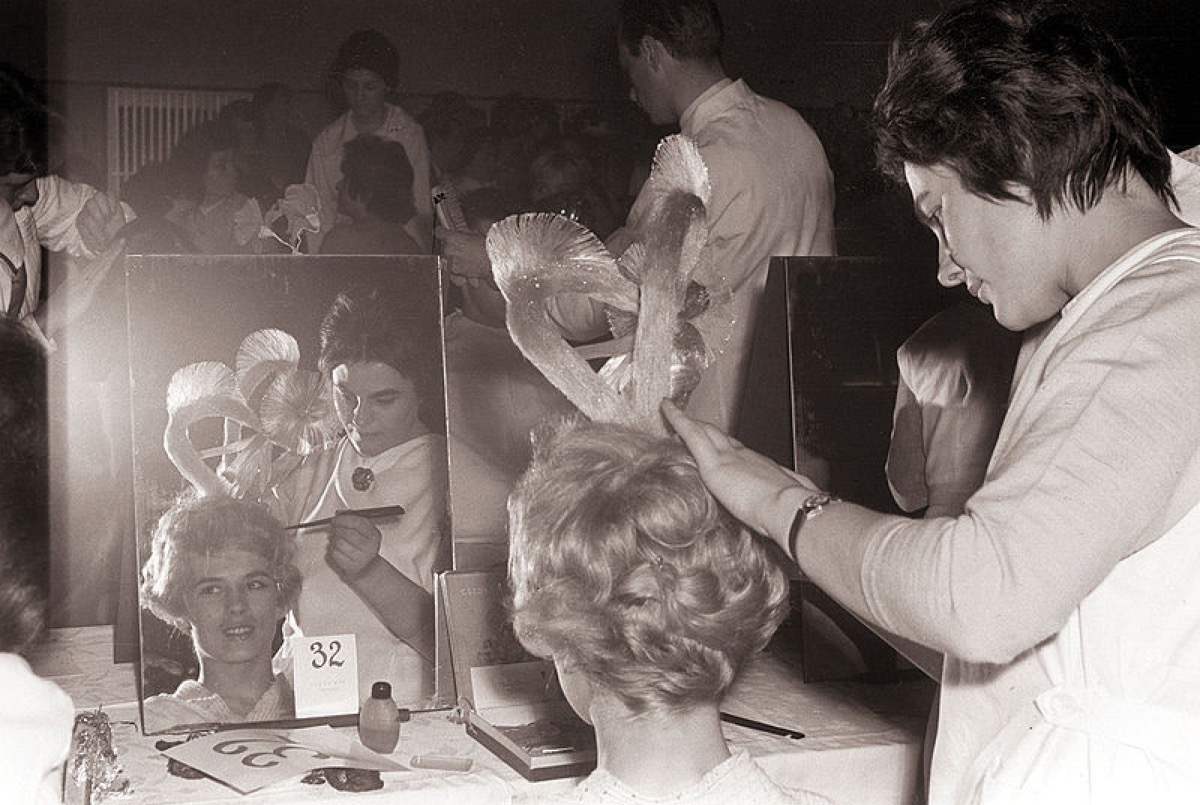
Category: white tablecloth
[862,744]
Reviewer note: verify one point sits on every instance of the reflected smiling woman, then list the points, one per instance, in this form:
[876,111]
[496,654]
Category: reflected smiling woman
[221,570]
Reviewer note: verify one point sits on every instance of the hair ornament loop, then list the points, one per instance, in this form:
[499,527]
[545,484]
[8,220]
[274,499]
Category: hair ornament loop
[273,413]
[672,325]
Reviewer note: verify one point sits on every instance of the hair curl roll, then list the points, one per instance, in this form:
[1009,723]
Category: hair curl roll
[197,526]
[24,123]
[625,567]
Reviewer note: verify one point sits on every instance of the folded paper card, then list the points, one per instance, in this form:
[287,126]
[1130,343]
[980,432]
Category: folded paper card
[247,760]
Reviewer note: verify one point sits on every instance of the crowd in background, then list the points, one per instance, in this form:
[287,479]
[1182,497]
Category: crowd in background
[519,154]
[514,153]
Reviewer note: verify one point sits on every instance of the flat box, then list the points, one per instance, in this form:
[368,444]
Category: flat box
[512,702]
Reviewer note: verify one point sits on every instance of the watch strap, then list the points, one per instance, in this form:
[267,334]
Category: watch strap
[811,506]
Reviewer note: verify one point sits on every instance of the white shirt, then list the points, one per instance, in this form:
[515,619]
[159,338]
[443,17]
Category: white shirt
[36,722]
[49,223]
[1064,598]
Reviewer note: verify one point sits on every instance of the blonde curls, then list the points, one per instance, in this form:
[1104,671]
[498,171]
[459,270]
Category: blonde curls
[195,526]
[624,566]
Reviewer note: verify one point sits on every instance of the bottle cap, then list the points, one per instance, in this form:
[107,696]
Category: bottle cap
[381,690]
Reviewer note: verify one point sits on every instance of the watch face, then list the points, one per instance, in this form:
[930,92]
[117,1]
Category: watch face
[817,501]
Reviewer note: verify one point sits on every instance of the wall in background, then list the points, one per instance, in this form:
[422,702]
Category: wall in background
[813,54]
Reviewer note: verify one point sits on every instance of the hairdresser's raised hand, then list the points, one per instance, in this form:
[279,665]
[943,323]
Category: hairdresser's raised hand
[353,546]
[755,489]
[99,220]
[465,254]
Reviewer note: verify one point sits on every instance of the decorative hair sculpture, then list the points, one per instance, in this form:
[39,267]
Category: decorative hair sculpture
[274,413]
[622,564]
[675,324]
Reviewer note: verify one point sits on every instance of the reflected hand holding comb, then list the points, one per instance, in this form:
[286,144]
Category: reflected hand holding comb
[376,513]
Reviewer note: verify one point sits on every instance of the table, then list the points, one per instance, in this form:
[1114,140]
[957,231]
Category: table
[862,744]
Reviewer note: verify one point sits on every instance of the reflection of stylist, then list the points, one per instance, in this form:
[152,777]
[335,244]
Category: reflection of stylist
[375,580]
[1064,596]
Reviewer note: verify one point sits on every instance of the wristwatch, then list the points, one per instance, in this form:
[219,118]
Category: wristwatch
[812,506]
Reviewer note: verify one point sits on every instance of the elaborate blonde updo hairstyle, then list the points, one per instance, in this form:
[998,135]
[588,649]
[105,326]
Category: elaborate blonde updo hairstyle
[196,526]
[624,567]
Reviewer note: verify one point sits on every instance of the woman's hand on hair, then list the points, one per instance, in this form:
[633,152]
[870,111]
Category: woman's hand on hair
[353,546]
[756,490]
[465,254]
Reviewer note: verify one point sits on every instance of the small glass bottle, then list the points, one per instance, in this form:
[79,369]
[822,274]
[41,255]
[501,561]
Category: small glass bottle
[379,720]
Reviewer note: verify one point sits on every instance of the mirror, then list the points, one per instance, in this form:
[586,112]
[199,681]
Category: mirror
[231,346]
[825,348]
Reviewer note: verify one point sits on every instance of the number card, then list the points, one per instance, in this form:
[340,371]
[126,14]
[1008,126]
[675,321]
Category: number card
[325,675]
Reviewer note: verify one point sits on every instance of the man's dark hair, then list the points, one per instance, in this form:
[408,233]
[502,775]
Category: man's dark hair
[688,29]
[1031,93]
[378,172]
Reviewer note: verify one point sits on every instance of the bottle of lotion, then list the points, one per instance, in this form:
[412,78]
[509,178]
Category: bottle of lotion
[379,720]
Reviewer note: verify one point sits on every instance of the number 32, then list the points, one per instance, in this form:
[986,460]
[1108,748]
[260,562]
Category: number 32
[322,658]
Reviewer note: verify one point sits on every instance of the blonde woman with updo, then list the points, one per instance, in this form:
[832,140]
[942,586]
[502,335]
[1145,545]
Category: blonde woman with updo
[649,598]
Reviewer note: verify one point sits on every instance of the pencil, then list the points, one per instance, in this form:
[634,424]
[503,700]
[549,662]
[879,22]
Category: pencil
[750,723]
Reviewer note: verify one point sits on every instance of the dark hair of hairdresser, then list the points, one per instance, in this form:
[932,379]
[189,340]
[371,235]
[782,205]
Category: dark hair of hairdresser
[22,604]
[23,518]
[1028,93]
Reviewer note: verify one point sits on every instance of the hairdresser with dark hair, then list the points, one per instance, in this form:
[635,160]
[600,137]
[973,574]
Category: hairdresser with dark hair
[375,578]
[1063,598]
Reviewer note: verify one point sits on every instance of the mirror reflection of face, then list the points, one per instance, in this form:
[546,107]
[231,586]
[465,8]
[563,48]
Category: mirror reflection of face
[376,405]
[365,91]
[18,190]
[233,606]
